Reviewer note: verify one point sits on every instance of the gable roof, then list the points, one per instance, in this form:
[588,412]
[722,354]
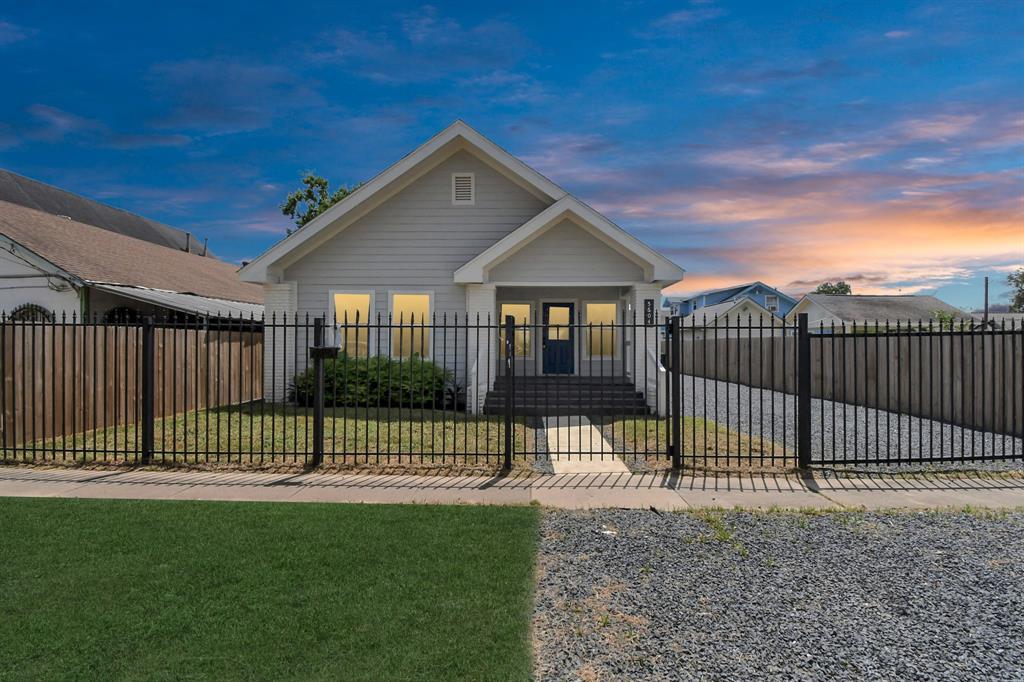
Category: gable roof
[866,308]
[709,316]
[656,267]
[457,136]
[93,255]
[23,191]
[708,292]
[737,288]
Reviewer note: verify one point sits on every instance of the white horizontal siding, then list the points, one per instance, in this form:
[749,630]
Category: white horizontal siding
[566,253]
[416,240]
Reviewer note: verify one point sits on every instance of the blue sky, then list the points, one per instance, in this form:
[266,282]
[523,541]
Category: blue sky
[790,142]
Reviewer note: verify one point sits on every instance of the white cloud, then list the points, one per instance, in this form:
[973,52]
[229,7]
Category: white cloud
[12,33]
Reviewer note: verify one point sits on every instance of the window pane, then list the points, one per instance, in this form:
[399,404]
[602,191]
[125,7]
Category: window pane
[352,315]
[601,341]
[558,315]
[521,313]
[412,313]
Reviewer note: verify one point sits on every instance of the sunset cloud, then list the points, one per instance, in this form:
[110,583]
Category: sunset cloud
[940,128]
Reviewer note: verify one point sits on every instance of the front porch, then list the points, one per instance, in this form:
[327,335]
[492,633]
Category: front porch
[577,349]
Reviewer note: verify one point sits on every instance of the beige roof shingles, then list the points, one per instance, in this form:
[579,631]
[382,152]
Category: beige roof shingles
[97,255]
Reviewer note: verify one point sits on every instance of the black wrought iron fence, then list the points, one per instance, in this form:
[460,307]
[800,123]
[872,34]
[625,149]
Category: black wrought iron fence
[465,390]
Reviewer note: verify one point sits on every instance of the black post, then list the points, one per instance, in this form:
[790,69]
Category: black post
[510,389]
[148,389]
[675,333]
[803,401]
[318,393]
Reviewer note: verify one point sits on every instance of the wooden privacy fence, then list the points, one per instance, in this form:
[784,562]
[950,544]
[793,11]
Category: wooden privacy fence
[62,379]
[968,378]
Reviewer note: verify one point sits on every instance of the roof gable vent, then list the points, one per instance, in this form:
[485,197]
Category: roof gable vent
[463,189]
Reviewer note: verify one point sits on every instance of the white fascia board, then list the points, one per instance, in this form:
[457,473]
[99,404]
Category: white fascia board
[45,267]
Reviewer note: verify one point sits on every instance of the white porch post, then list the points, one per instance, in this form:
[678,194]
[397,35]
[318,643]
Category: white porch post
[480,304]
[280,302]
[647,375]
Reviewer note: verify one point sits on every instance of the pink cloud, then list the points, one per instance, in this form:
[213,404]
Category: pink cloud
[941,127]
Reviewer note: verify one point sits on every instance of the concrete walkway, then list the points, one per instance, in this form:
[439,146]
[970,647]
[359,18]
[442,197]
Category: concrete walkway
[569,436]
[662,491]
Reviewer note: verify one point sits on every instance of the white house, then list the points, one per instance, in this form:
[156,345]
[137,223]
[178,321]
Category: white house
[729,320]
[459,229]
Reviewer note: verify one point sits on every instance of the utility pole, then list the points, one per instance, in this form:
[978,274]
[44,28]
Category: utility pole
[984,319]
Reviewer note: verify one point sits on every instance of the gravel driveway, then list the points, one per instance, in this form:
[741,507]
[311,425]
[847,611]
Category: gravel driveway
[736,595]
[840,430]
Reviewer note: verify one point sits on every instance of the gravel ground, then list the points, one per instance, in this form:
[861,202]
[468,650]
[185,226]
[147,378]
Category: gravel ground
[738,596]
[854,432]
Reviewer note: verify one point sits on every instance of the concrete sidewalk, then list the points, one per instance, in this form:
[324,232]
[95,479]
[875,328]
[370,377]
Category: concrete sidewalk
[663,491]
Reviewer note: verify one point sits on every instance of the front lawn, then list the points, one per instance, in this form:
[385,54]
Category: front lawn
[706,444]
[259,433]
[96,589]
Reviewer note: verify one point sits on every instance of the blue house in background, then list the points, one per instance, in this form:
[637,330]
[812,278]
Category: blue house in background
[767,297]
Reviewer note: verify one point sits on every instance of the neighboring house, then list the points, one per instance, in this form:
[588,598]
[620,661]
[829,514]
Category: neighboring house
[824,311]
[462,228]
[999,320]
[53,267]
[23,191]
[732,319]
[769,298]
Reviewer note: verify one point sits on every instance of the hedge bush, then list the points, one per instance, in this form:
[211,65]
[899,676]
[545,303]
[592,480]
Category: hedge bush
[360,381]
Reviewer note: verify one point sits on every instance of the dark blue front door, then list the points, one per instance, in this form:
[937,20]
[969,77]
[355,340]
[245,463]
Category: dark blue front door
[558,338]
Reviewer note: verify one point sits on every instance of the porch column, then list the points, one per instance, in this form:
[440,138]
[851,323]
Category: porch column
[480,301]
[647,376]
[280,302]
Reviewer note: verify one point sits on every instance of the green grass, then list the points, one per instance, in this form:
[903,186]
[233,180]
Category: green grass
[252,433]
[705,443]
[97,589]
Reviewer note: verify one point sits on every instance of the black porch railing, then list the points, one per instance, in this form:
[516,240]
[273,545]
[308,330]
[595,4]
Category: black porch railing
[457,390]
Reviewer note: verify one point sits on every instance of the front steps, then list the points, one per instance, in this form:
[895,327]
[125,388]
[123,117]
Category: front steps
[549,396]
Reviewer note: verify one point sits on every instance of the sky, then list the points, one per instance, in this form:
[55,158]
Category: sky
[791,142]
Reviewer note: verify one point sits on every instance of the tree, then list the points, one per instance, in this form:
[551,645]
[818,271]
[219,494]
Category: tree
[312,199]
[840,288]
[945,319]
[1016,281]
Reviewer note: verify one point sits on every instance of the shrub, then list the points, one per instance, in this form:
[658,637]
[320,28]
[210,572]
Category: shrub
[360,381]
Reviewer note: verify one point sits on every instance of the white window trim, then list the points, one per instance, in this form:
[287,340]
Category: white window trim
[768,304]
[472,189]
[430,313]
[615,330]
[531,324]
[371,347]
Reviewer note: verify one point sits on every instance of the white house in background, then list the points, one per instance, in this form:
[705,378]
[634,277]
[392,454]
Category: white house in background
[732,319]
[461,228]
[824,311]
